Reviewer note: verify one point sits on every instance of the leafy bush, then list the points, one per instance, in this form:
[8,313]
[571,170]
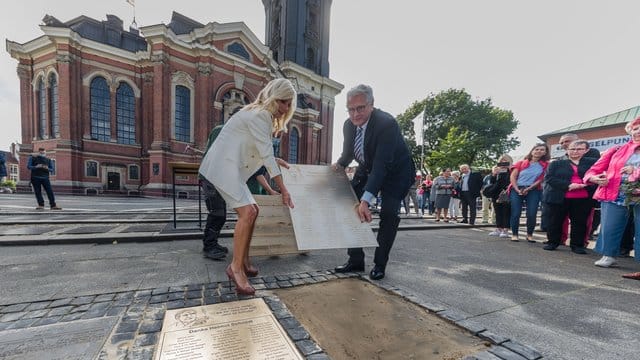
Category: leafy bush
[9,183]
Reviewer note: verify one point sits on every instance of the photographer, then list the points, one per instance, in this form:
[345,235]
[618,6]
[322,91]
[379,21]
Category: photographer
[424,193]
[499,181]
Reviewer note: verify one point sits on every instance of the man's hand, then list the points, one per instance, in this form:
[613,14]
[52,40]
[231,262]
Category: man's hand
[286,199]
[336,167]
[363,211]
[282,163]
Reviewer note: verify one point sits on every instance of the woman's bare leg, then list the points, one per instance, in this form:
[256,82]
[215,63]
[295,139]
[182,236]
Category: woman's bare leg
[241,239]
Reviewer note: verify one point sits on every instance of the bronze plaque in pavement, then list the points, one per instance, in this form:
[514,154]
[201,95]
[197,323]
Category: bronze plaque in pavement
[234,330]
[324,216]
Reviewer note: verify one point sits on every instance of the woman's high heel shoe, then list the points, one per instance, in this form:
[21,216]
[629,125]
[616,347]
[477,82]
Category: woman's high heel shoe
[250,270]
[247,290]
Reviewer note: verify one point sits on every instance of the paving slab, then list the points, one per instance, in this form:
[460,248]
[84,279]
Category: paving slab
[81,339]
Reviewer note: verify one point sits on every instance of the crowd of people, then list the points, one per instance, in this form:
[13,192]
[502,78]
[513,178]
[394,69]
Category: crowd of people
[575,194]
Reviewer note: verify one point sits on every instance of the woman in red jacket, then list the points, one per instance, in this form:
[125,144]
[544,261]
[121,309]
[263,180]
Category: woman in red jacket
[616,173]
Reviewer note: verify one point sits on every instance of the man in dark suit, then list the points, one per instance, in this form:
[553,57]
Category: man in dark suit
[471,185]
[372,137]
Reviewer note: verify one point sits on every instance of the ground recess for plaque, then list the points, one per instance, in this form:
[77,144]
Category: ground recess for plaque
[353,319]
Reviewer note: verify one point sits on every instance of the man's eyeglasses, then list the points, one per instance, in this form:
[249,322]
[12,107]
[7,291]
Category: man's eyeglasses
[577,149]
[357,109]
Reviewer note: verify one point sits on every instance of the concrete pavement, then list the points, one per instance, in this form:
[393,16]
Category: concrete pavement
[520,297]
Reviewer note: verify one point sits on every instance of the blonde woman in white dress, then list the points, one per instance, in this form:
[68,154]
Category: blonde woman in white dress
[242,147]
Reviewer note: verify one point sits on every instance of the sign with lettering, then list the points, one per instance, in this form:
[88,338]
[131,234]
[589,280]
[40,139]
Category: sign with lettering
[601,144]
[244,330]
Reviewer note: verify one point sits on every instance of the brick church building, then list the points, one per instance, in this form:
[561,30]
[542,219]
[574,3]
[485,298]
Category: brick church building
[114,107]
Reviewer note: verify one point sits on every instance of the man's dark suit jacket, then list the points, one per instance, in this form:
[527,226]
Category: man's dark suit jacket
[388,164]
[475,183]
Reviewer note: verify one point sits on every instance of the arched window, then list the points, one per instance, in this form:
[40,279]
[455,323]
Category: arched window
[238,49]
[53,106]
[183,114]
[100,110]
[42,109]
[293,146]
[125,114]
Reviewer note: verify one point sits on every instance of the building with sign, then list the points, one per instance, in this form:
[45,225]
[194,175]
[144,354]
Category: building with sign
[114,107]
[602,133]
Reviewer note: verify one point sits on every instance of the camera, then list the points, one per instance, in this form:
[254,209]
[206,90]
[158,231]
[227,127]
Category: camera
[504,163]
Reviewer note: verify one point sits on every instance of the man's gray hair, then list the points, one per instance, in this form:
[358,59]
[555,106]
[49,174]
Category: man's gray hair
[361,89]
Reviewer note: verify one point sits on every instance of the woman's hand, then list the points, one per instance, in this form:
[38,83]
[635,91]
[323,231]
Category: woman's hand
[282,163]
[627,169]
[574,186]
[286,199]
[600,180]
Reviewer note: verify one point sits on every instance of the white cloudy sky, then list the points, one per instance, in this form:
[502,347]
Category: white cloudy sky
[553,63]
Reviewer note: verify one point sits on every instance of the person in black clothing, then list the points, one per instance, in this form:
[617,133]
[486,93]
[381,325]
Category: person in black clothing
[471,185]
[566,194]
[372,137]
[40,167]
[500,181]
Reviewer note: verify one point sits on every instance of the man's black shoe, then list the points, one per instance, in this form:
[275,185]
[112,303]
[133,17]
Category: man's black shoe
[578,250]
[216,253]
[550,246]
[463,221]
[216,247]
[376,273]
[349,267]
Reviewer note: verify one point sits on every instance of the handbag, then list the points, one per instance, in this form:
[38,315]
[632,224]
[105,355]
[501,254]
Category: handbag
[489,190]
[503,197]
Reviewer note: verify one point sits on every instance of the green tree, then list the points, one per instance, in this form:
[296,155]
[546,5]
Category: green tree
[484,131]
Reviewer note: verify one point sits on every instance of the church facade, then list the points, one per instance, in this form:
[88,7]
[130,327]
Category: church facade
[115,108]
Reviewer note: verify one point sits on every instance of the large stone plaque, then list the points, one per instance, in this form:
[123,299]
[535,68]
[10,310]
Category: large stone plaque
[324,216]
[81,339]
[243,330]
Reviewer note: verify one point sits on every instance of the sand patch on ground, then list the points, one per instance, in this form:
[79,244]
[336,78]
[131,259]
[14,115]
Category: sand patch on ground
[353,319]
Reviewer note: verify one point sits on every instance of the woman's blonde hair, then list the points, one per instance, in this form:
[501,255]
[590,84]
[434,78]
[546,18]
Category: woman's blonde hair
[277,89]
[506,158]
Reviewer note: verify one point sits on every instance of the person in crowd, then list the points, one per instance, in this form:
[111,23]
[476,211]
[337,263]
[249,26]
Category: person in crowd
[40,166]
[3,167]
[424,193]
[471,183]
[565,194]
[432,195]
[412,197]
[626,245]
[443,186]
[564,142]
[614,173]
[242,147]
[454,202]
[372,137]
[488,215]
[525,185]
[499,181]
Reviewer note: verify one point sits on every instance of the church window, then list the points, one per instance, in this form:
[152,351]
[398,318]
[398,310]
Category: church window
[238,49]
[91,168]
[125,114]
[53,106]
[42,109]
[182,113]
[100,110]
[293,146]
[134,172]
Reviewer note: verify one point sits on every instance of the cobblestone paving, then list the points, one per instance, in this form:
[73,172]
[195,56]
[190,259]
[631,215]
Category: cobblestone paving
[142,312]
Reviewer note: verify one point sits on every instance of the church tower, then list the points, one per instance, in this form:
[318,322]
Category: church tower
[298,31]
